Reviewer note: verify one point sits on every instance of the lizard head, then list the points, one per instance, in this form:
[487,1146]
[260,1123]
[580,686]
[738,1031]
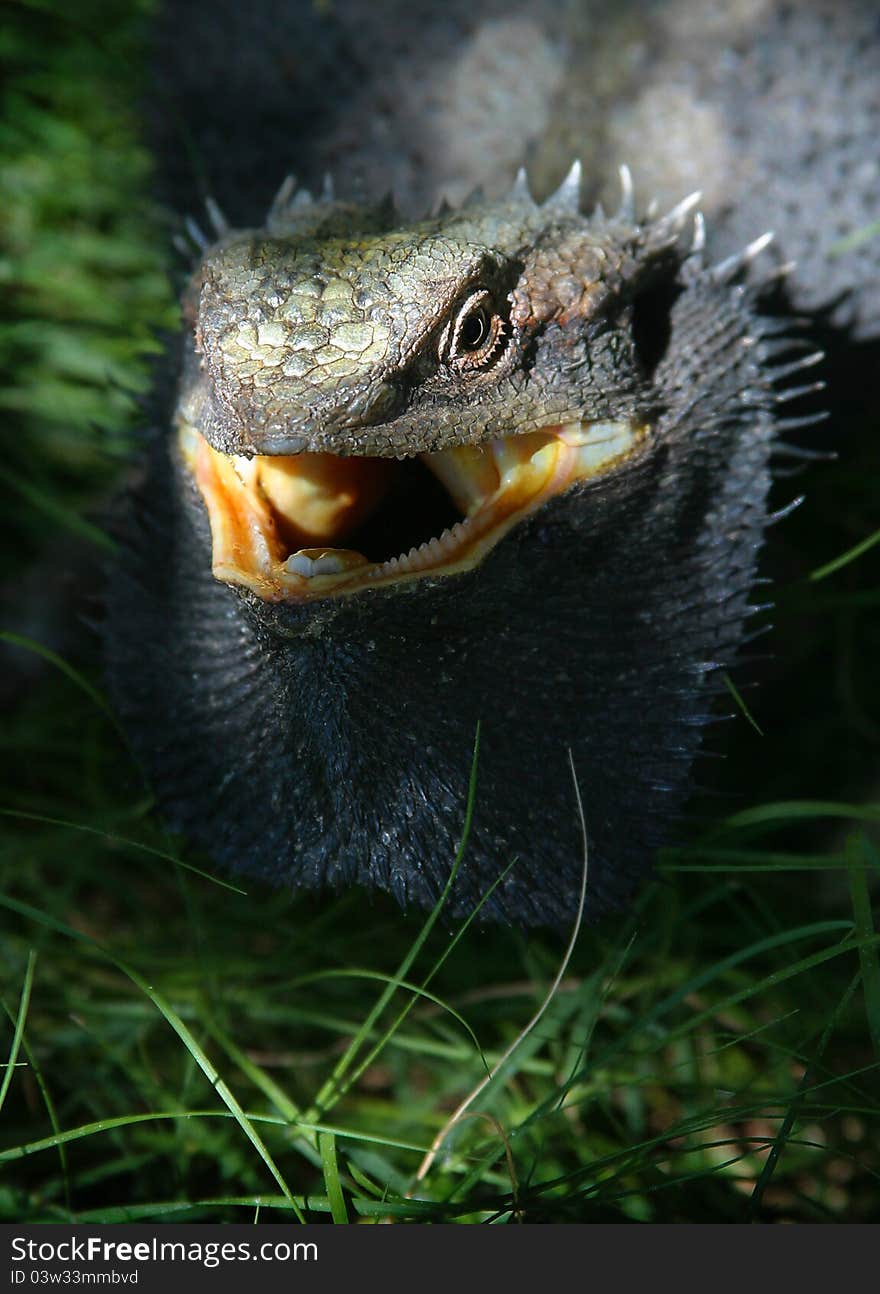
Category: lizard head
[366,402]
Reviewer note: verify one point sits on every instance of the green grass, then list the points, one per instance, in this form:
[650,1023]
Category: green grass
[175,1047]
[82,283]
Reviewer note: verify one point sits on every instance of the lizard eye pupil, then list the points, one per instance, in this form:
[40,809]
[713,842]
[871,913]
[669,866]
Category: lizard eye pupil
[474,329]
[473,339]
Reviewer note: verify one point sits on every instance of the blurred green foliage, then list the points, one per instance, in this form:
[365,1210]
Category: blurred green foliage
[83,288]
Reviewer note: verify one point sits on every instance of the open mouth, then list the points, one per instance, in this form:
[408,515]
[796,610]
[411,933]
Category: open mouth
[308,526]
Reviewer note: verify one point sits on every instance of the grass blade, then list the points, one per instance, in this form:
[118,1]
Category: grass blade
[59,663]
[529,1027]
[331,1089]
[858,855]
[112,838]
[803,1090]
[737,696]
[327,1146]
[851,555]
[177,1024]
[18,1032]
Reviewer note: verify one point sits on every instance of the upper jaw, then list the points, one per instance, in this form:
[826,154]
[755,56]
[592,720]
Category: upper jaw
[370,419]
[350,437]
[364,421]
[334,425]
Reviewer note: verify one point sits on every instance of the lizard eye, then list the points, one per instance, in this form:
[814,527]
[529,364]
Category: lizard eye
[474,329]
[474,333]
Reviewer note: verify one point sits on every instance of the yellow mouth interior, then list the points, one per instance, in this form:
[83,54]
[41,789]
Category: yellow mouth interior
[313,526]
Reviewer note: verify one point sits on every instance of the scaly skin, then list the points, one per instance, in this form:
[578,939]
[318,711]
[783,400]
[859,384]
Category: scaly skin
[328,742]
[334,328]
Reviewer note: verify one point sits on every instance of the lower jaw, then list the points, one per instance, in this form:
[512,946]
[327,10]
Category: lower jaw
[279,526]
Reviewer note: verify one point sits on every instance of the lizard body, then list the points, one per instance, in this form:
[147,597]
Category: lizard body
[504,464]
[314,726]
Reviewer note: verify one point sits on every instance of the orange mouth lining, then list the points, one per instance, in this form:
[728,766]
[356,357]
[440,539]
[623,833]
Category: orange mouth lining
[280,526]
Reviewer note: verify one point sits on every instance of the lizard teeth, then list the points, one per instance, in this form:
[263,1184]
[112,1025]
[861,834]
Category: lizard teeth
[431,553]
[254,504]
[576,434]
[311,562]
[300,564]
